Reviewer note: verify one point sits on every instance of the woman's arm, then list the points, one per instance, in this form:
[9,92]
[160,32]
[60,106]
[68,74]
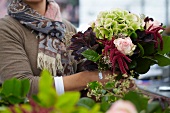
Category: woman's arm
[79,81]
[15,61]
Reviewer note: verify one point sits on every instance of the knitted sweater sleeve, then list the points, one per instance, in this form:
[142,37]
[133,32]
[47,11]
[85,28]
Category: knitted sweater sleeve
[14,61]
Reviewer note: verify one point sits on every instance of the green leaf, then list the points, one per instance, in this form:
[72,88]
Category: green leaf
[104,106]
[108,98]
[36,99]
[67,101]
[137,99]
[166,42]
[86,102]
[132,64]
[95,109]
[154,107]
[167,110]
[47,93]
[133,35]
[109,85]
[162,60]
[47,99]
[25,87]
[5,110]
[12,87]
[141,49]
[45,81]
[14,91]
[143,65]
[80,110]
[15,100]
[94,85]
[149,48]
[91,55]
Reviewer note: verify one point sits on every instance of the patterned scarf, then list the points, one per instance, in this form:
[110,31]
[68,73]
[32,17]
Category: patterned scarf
[50,32]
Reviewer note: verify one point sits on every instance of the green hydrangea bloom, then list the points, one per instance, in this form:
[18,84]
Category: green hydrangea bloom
[115,22]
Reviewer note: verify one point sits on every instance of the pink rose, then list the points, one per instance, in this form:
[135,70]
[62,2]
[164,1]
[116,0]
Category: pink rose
[122,106]
[154,24]
[125,45]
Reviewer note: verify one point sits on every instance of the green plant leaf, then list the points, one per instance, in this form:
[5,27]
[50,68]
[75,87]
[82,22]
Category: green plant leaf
[25,87]
[108,98]
[91,55]
[109,85]
[45,81]
[104,106]
[93,85]
[132,64]
[137,99]
[14,91]
[141,49]
[143,65]
[95,109]
[162,60]
[80,110]
[133,35]
[47,94]
[67,101]
[167,110]
[166,42]
[11,87]
[149,49]
[86,102]
[154,107]
[15,100]
[4,109]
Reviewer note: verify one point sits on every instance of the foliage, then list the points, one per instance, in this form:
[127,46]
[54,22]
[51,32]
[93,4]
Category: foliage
[16,93]
[47,100]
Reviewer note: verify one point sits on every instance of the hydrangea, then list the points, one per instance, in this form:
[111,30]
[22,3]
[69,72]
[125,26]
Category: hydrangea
[115,22]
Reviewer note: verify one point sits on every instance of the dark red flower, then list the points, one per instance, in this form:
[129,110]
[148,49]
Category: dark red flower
[83,41]
[116,57]
[154,29]
[157,36]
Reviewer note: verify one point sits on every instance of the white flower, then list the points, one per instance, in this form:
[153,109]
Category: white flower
[154,24]
[125,45]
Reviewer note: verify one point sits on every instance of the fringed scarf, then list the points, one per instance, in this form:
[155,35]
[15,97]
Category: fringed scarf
[50,32]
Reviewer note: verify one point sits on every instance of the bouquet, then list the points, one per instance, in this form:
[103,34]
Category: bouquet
[123,42]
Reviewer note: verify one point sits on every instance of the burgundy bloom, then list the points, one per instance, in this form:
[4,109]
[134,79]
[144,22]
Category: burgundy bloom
[116,57]
[80,43]
[156,35]
[83,41]
[153,27]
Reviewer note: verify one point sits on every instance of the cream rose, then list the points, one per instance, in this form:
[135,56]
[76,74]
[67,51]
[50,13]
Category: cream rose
[125,45]
[154,24]
[122,106]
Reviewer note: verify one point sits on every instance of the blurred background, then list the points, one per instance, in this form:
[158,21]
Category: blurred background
[82,12]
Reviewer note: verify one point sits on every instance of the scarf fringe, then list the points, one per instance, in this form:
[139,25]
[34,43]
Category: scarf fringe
[51,64]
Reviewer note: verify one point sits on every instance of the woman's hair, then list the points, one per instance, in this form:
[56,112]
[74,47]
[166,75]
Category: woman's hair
[46,4]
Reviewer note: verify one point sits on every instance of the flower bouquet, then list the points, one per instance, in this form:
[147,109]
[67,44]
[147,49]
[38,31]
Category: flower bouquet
[123,42]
